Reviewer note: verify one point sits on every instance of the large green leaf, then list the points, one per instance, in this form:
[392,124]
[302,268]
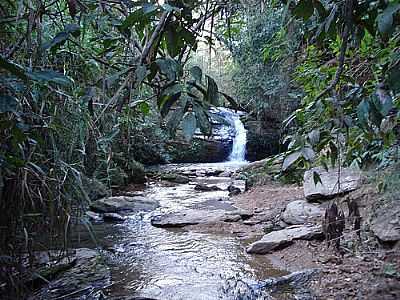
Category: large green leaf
[62,37]
[7,104]
[394,78]
[290,160]
[363,112]
[212,95]
[167,100]
[385,19]
[169,67]
[140,17]
[50,76]
[203,119]
[13,68]
[189,125]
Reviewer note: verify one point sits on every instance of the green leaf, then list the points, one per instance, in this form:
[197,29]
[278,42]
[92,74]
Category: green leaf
[189,125]
[175,119]
[50,76]
[363,112]
[166,101]
[57,41]
[308,153]
[304,9]
[169,67]
[290,160]
[196,73]
[141,73]
[212,95]
[385,19]
[316,178]
[203,119]
[394,78]
[13,68]
[138,16]
[7,104]
[314,136]
[144,108]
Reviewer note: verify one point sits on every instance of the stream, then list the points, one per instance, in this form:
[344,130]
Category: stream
[180,263]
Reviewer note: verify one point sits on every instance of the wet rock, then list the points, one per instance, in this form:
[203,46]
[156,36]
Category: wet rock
[176,178]
[387,226]
[194,217]
[94,188]
[225,174]
[301,212]
[123,203]
[206,188]
[213,172]
[233,190]
[88,276]
[113,217]
[94,217]
[350,180]
[296,280]
[284,237]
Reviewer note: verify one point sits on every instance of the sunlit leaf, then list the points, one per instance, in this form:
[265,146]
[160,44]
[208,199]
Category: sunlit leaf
[290,160]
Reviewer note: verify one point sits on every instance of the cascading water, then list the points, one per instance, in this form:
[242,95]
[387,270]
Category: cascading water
[239,141]
[235,132]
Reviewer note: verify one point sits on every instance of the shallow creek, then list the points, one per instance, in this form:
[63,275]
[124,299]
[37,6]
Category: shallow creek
[178,263]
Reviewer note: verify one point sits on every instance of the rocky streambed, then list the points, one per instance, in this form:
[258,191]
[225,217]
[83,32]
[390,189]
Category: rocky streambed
[181,237]
[193,233]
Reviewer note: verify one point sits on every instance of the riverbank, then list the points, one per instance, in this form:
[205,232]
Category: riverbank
[193,232]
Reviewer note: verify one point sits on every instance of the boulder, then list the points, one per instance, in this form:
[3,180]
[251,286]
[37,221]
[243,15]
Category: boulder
[284,237]
[350,180]
[387,226]
[206,188]
[176,178]
[123,203]
[233,190]
[88,271]
[94,188]
[301,212]
[194,217]
[113,217]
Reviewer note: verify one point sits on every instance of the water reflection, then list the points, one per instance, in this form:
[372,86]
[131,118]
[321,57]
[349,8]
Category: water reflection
[177,264]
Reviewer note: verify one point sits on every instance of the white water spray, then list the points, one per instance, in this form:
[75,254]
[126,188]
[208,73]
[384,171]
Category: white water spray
[239,141]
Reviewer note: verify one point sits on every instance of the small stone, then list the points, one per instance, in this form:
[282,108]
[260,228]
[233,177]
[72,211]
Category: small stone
[113,217]
[95,217]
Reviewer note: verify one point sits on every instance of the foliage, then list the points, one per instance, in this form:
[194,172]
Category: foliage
[84,88]
[348,112]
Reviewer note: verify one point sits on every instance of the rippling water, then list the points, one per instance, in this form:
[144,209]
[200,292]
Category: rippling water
[180,264]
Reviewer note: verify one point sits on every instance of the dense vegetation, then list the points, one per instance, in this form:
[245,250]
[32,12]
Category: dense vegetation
[92,90]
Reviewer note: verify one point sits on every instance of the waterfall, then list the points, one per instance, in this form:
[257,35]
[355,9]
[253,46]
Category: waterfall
[233,131]
[239,141]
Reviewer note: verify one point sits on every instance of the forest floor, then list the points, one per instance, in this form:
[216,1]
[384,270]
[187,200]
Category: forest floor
[362,270]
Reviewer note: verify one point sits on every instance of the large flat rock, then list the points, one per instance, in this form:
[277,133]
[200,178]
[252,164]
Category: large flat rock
[281,238]
[387,226]
[350,180]
[199,216]
[124,203]
[301,212]
[87,277]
